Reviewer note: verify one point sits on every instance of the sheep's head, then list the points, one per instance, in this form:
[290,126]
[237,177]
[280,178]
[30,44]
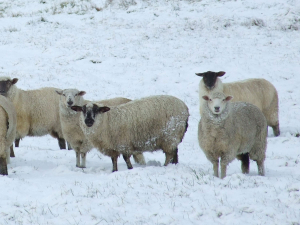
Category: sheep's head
[210,78]
[5,84]
[217,102]
[71,97]
[90,111]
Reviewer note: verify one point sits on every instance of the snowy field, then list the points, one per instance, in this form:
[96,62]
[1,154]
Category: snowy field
[137,48]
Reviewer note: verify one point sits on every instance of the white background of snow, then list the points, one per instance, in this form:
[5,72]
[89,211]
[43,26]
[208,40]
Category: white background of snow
[150,48]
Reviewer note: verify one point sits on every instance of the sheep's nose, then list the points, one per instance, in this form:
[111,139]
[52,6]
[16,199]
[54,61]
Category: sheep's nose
[89,122]
[217,108]
[70,102]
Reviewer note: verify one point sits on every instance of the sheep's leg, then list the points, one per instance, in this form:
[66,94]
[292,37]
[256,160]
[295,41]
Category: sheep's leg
[126,157]
[69,146]
[7,156]
[260,167]
[114,160]
[276,130]
[169,158]
[216,168]
[175,157]
[223,170]
[139,158]
[77,158]
[17,142]
[61,143]
[12,153]
[245,162]
[83,159]
[3,166]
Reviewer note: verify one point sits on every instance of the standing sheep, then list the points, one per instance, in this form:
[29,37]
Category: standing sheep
[258,92]
[8,123]
[37,110]
[232,130]
[70,123]
[148,124]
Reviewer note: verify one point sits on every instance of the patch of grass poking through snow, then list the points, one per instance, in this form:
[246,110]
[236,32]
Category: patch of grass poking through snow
[254,23]
[11,29]
[79,7]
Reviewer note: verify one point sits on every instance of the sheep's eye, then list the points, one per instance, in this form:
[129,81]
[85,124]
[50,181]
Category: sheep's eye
[210,100]
[64,95]
[76,94]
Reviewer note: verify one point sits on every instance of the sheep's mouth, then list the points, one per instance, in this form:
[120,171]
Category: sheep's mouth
[89,124]
[217,110]
[210,87]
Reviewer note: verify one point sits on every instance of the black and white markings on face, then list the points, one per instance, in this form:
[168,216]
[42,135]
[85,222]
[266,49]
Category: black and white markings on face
[4,87]
[209,79]
[89,115]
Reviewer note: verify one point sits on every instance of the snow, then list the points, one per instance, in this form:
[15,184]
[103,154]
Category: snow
[138,48]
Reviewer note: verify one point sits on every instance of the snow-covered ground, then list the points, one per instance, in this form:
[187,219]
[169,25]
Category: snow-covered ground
[137,48]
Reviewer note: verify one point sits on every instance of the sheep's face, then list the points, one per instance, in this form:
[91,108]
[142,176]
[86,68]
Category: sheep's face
[90,111]
[71,97]
[217,102]
[210,78]
[5,85]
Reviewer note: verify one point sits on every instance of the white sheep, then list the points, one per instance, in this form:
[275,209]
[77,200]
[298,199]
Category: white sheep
[8,124]
[70,123]
[258,92]
[37,110]
[232,130]
[147,124]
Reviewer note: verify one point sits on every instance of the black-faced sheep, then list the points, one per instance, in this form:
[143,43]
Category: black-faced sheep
[8,124]
[70,123]
[37,110]
[147,124]
[258,92]
[232,130]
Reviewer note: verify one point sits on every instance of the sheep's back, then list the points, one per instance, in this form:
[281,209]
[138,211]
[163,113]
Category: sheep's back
[258,92]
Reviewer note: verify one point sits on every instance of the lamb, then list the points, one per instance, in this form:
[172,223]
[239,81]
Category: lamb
[258,92]
[232,130]
[147,124]
[8,123]
[37,110]
[70,123]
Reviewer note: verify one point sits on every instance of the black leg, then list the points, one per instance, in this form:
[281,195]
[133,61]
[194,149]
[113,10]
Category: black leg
[17,142]
[127,160]
[12,153]
[3,166]
[61,143]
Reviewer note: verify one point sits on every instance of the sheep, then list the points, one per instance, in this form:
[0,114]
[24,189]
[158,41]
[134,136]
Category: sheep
[147,124]
[8,123]
[232,130]
[258,92]
[70,123]
[37,110]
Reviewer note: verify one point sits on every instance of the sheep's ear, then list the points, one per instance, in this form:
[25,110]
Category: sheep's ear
[14,81]
[205,97]
[221,73]
[200,74]
[59,92]
[228,98]
[76,108]
[81,93]
[103,109]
